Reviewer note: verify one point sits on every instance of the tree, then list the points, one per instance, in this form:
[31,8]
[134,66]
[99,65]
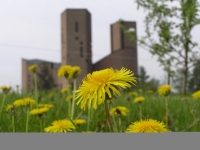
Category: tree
[46,80]
[177,80]
[153,84]
[145,82]
[142,77]
[168,26]
[194,81]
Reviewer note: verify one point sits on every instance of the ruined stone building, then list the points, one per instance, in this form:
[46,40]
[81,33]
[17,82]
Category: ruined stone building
[76,49]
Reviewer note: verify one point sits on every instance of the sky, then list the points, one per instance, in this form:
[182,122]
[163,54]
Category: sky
[31,29]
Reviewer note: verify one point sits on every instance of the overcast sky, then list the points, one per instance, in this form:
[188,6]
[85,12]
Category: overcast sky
[31,29]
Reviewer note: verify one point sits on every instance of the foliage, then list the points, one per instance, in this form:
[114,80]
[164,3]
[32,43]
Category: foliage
[194,81]
[181,109]
[145,82]
[168,27]
[153,84]
[142,77]
[45,78]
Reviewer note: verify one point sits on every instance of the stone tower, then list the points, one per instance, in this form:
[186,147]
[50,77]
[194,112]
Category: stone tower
[123,50]
[76,41]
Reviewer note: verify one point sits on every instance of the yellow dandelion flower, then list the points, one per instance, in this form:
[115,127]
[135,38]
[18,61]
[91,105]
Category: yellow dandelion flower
[101,85]
[9,107]
[140,90]
[150,92]
[79,121]
[39,97]
[5,89]
[164,90]
[64,71]
[134,94]
[29,101]
[185,98]
[64,90]
[46,105]
[148,125]
[88,132]
[139,99]
[70,97]
[51,95]
[75,71]
[119,111]
[164,118]
[19,102]
[39,111]
[33,68]
[60,126]
[196,95]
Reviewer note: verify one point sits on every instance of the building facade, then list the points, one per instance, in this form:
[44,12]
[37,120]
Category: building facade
[76,49]
[76,41]
[123,50]
[28,77]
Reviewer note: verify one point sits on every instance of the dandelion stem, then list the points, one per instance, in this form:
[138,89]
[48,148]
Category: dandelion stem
[69,101]
[4,97]
[69,106]
[108,116]
[73,101]
[88,120]
[140,111]
[77,128]
[13,122]
[129,105]
[41,124]
[79,114]
[120,124]
[27,118]
[114,122]
[186,116]
[35,80]
[166,108]
[92,115]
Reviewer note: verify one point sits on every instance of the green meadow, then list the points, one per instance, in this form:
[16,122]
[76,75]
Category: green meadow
[183,112]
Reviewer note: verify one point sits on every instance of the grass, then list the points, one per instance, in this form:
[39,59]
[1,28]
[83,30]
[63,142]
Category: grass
[183,114]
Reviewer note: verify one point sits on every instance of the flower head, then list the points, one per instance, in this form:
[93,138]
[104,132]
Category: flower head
[150,92]
[5,89]
[119,111]
[196,95]
[134,94]
[101,85]
[70,97]
[75,71]
[164,90]
[60,126]
[64,71]
[148,125]
[19,102]
[64,90]
[79,121]
[139,99]
[29,101]
[39,111]
[185,98]
[164,118]
[140,90]
[9,107]
[69,71]
[46,105]
[33,68]
[51,95]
